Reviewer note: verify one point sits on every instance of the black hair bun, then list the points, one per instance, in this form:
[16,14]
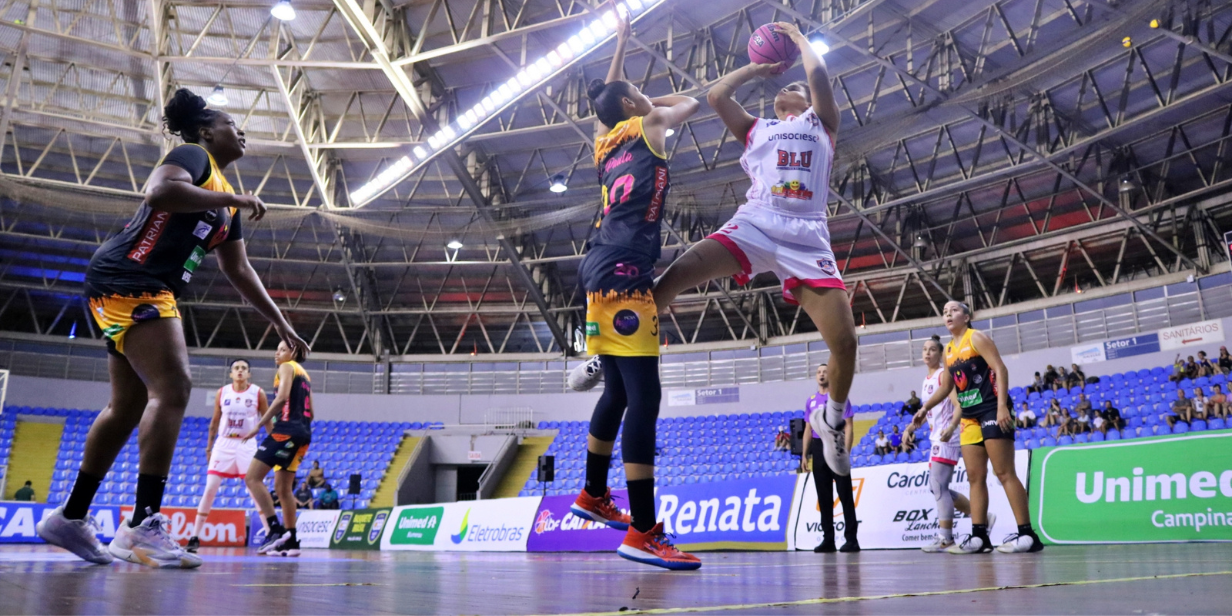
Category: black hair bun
[595,88]
[183,111]
[936,338]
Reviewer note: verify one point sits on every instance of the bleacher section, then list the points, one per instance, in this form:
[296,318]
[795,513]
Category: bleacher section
[342,447]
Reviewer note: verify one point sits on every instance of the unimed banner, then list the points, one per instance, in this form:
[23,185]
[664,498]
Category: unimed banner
[359,529]
[556,529]
[18,519]
[894,506]
[225,528]
[1173,488]
[498,525]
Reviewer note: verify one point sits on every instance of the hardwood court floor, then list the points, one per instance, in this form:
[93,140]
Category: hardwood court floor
[1177,579]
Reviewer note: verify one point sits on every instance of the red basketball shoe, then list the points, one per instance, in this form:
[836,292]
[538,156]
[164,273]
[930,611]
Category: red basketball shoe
[654,548]
[601,510]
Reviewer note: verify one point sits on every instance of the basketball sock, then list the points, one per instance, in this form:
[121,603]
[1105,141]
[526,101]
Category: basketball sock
[1026,530]
[293,535]
[641,503]
[835,411]
[947,534]
[149,496]
[597,466]
[273,523]
[981,531]
[78,505]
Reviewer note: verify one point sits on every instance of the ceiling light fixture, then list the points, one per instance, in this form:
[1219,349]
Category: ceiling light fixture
[283,10]
[217,98]
[819,46]
[559,183]
[339,295]
[920,242]
[454,245]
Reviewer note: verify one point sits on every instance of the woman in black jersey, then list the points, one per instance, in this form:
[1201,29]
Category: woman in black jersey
[132,284]
[622,326]
[974,368]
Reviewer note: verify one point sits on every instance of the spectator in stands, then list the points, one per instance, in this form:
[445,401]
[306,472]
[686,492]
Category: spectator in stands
[912,405]
[1066,424]
[782,440]
[896,440]
[1050,377]
[882,444]
[1199,403]
[1217,404]
[1026,416]
[1182,409]
[1191,368]
[1053,416]
[1178,369]
[1083,406]
[329,498]
[25,493]
[1225,360]
[303,496]
[1206,367]
[1062,381]
[316,476]
[1037,385]
[1077,377]
[1083,422]
[1098,424]
[1112,417]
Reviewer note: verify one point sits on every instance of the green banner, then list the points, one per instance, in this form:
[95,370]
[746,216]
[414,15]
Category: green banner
[416,526]
[359,529]
[1172,488]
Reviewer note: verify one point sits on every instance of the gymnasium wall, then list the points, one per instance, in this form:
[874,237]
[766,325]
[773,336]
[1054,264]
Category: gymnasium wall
[470,409]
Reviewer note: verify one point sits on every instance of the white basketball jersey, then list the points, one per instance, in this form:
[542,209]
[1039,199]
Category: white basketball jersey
[239,411]
[941,415]
[789,163]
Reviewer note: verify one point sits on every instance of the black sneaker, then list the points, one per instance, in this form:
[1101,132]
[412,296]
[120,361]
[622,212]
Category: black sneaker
[850,546]
[289,548]
[826,546]
[274,540]
[193,544]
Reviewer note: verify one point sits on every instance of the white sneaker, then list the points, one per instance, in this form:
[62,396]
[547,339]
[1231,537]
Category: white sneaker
[1017,544]
[149,544]
[938,545]
[77,536]
[834,442]
[970,545]
[586,376]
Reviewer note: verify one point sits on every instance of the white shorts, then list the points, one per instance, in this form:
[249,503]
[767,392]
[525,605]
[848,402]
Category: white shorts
[230,457]
[797,250]
[945,453]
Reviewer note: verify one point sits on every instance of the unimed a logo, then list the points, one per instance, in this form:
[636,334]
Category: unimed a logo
[417,526]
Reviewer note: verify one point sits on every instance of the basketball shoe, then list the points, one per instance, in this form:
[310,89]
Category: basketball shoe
[149,544]
[654,548]
[586,376]
[601,510]
[77,536]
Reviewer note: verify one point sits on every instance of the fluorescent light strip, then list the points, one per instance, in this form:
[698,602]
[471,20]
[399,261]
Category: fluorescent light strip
[529,77]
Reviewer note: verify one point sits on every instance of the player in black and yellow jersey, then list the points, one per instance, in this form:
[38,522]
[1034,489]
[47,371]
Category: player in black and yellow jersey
[974,368]
[622,324]
[282,450]
[131,285]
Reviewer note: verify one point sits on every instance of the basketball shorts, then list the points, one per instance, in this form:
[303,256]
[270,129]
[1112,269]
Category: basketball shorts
[982,427]
[621,318]
[230,457]
[945,453]
[116,314]
[283,452]
[797,250]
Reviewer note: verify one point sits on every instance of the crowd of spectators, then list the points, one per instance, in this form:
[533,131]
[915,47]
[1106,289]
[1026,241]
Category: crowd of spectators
[314,491]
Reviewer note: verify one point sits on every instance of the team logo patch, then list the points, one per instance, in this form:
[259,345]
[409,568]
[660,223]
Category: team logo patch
[828,266]
[144,312]
[203,229]
[793,189]
[626,322]
[592,328]
[210,215]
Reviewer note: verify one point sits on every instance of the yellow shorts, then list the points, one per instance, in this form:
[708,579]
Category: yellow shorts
[622,324]
[970,432]
[116,314]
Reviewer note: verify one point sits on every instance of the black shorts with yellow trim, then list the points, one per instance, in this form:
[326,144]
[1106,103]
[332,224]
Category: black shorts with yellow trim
[982,426]
[283,452]
[116,314]
[621,318]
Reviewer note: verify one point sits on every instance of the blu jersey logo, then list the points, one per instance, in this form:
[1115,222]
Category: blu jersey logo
[626,322]
[461,536]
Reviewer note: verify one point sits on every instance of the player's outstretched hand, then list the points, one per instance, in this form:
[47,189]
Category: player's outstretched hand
[297,344]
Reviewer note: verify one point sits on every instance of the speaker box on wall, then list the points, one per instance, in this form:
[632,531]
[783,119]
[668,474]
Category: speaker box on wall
[547,469]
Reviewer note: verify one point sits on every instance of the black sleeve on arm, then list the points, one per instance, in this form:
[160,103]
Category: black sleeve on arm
[191,158]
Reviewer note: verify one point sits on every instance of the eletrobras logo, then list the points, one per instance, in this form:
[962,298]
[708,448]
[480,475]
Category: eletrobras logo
[1166,489]
[417,526]
[485,533]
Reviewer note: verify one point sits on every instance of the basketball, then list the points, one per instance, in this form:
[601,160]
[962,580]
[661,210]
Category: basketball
[769,46]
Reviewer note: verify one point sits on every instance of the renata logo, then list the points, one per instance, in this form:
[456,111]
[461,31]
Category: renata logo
[150,233]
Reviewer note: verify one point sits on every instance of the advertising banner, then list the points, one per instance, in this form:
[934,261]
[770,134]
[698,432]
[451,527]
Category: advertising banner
[499,525]
[1172,488]
[557,530]
[18,519]
[895,507]
[226,528]
[359,529]
[748,514]
[1087,353]
[314,528]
